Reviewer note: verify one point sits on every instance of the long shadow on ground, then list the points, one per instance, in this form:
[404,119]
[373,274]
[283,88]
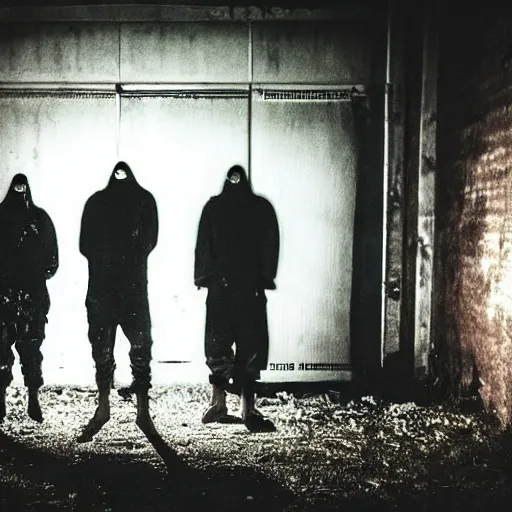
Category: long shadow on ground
[34,479]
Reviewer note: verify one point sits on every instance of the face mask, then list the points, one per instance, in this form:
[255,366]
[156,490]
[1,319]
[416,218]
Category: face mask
[234,178]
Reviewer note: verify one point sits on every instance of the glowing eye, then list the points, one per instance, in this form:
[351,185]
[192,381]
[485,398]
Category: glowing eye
[234,178]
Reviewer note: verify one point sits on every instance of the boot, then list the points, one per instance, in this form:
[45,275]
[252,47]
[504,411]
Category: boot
[218,408]
[252,418]
[3,409]
[101,416]
[34,409]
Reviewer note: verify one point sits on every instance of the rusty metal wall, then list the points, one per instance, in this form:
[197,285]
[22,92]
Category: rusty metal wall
[474,275]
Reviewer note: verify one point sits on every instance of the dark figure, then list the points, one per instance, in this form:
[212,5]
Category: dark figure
[119,230]
[236,258]
[28,257]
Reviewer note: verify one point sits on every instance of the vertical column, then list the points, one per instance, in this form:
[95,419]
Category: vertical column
[426,195]
[394,182]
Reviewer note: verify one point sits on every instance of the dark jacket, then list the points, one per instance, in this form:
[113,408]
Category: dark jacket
[238,237]
[29,253]
[119,229]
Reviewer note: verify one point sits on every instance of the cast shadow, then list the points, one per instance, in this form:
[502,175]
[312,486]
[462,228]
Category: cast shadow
[35,479]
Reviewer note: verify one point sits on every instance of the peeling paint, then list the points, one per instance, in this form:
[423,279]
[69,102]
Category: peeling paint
[479,291]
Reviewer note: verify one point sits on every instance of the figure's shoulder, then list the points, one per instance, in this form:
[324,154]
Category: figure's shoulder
[96,196]
[42,214]
[147,195]
[263,203]
[212,202]
[143,194]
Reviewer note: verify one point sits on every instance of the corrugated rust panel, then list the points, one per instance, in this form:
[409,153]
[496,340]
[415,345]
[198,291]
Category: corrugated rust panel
[315,51]
[485,304]
[59,52]
[185,52]
[478,236]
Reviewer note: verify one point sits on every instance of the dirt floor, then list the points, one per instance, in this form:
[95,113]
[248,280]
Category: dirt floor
[327,454]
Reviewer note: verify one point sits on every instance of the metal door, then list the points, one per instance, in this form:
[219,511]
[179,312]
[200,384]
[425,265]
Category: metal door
[304,160]
[65,142]
[180,144]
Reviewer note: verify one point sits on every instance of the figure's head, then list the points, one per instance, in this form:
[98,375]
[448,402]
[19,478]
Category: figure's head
[236,179]
[19,183]
[122,173]
[235,175]
[19,192]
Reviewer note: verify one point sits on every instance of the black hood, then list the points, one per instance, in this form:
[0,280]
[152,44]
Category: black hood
[130,178]
[18,200]
[242,187]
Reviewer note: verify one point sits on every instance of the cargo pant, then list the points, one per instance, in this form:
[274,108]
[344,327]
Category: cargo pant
[236,314]
[132,315]
[22,326]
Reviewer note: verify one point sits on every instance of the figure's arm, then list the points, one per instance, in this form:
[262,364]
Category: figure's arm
[270,248]
[86,231]
[148,232]
[203,266]
[51,248]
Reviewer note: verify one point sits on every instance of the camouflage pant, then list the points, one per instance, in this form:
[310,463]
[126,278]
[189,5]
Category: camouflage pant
[104,317]
[21,327]
[236,316]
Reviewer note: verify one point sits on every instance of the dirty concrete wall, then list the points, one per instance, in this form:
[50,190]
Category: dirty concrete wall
[45,134]
[474,211]
[189,52]
[59,52]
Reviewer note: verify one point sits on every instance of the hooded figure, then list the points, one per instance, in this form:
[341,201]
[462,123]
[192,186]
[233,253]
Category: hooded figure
[29,256]
[236,258]
[119,230]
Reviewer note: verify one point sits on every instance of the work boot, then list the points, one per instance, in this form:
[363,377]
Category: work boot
[3,409]
[252,418]
[101,416]
[218,408]
[34,409]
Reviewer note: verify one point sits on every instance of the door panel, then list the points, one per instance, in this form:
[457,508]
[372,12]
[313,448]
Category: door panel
[65,144]
[180,150]
[304,160]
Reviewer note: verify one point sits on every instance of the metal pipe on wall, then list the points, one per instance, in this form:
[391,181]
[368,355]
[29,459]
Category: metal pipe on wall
[385,184]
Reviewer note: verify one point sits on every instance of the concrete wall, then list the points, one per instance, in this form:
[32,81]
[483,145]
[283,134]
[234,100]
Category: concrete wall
[305,156]
[474,268]
[319,52]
